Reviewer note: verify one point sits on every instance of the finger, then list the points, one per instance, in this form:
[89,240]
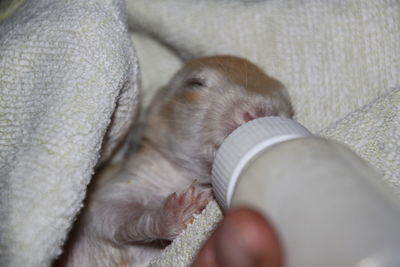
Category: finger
[244,238]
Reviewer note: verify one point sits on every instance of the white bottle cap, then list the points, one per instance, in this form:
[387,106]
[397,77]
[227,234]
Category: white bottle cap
[242,145]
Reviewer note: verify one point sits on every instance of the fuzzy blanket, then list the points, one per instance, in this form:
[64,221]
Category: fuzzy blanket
[68,94]
[69,83]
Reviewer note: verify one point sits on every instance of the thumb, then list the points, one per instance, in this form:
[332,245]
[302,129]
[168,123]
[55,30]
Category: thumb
[244,238]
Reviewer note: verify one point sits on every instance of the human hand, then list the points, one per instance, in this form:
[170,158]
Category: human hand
[243,239]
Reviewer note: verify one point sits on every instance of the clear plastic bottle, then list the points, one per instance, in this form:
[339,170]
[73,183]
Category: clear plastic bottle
[329,207]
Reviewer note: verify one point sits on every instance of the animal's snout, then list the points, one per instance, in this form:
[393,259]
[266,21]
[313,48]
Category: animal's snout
[243,112]
[254,113]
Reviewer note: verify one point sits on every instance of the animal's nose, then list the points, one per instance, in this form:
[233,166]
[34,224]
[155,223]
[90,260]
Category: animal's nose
[249,116]
[255,113]
[242,113]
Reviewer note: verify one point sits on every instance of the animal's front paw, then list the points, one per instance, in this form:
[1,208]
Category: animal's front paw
[179,208]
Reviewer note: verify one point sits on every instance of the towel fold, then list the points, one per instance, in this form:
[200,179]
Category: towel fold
[68,90]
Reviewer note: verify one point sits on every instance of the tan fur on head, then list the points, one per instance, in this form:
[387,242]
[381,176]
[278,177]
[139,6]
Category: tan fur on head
[239,71]
[206,100]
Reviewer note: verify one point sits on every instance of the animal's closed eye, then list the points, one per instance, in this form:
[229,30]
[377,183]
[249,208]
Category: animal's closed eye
[195,83]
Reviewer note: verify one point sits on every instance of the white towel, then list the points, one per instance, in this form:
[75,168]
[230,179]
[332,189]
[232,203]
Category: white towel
[67,67]
[334,56]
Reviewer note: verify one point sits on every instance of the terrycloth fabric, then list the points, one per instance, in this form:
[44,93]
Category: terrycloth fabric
[374,133]
[68,91]
[334,57]
[188,242]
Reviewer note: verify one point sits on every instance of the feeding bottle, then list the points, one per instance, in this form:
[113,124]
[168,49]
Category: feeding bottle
[328,206]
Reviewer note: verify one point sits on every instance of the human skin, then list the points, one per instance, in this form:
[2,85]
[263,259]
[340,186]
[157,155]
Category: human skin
[244,238]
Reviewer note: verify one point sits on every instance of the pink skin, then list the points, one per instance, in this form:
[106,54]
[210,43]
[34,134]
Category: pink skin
[154,193]
[244,238]
[179,208]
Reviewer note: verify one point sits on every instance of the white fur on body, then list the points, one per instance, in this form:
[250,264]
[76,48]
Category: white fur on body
[126,213]
[155,192]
